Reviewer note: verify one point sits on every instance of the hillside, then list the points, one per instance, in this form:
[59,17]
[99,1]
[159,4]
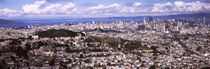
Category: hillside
[3,21]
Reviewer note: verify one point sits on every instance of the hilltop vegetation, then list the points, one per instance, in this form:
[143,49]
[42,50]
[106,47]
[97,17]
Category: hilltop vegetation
[51,33]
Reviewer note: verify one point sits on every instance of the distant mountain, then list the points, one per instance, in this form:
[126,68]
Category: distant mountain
[199,15]
[186,16]
[3,21]
[196,17]
[177,16]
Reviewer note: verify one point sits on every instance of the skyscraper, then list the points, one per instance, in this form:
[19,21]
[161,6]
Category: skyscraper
[198,21]
[150,19]
[93,22]
[204,20]
[163,27]
[145,21]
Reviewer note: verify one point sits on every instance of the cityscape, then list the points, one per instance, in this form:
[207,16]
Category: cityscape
[161,40]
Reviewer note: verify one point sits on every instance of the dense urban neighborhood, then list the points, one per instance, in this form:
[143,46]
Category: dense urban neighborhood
[165,44]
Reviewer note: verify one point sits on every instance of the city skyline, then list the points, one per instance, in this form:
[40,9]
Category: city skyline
[105,34]
[102,8]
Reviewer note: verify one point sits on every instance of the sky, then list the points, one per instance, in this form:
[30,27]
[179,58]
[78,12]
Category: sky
[99,8]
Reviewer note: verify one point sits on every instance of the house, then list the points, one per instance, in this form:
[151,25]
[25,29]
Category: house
[35,36]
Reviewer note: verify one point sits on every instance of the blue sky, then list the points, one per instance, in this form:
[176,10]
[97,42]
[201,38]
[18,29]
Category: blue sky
[99,8]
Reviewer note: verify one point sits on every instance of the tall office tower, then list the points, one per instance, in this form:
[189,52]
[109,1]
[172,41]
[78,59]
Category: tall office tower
[145,21]
[163,27]
[93,22]
[198,20]
[150,19]
[177,28]
[179,25]
[204,20]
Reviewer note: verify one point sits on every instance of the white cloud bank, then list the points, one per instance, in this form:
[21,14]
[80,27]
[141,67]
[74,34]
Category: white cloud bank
[181,7]
[32,8]
[70,9]
[50,9]
[8,12]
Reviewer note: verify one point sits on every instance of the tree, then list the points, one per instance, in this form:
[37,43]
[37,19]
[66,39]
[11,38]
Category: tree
[21,52]
[15,42]
[153,67]
[51,33]
[28,46]
[52,62]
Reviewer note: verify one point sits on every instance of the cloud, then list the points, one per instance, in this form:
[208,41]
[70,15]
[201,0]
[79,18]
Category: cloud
[133,4]
[179,3]
[181,7]
[35,8]
[59,9]
[57,0]
[9,12]
[189,7]
[32,8]
[88,4]
[113,10]
[137,4]
[162,7]
[102,9]
[43,8]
